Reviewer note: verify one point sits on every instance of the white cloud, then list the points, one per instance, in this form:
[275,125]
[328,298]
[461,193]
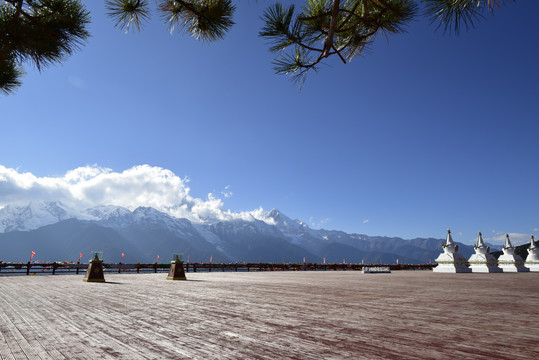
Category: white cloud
[226,192]
[365,221]
[535,229]
[142,185]
[318,224]
[516,238]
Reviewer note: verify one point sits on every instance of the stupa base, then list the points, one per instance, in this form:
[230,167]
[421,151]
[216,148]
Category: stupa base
[512,263]
[451,269]
[514,268]
[485,269]
[484,263]
[534,267]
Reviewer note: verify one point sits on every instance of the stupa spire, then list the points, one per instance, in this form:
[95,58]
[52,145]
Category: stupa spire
[533,246]
[480,242]
[449,240]
[508,244]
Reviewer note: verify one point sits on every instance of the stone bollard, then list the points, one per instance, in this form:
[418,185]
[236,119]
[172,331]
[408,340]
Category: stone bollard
[94,273]
[176,271]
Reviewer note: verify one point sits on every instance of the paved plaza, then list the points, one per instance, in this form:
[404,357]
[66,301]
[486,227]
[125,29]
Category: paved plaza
[271,315]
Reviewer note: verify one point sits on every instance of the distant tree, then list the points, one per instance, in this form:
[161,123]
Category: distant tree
[44,32]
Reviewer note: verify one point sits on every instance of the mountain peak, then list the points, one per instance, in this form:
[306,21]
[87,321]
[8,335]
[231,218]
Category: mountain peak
[285,223]
[24,216]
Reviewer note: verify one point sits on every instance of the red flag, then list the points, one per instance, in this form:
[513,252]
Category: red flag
[80,256]
[304,259]
[397,261]
[157,258]
[343,261]
[324,260]
[187,258]
[123,256]
[429,261]
[211,258]
[32,256]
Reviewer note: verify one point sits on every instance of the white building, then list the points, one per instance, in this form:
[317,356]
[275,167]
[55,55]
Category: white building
[532,261]
[482,261]
[450,261]
[509,261]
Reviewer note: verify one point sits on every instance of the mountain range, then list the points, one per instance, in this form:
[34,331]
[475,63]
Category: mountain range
[56,232]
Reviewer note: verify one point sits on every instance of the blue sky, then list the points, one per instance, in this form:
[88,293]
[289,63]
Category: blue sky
[426,131]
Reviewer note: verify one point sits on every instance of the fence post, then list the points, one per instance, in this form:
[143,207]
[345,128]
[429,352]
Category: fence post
[78,263]
[54,268]
[28,268]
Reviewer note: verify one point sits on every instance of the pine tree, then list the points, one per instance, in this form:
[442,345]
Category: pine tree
[45,32]
[42,32]
[302,40]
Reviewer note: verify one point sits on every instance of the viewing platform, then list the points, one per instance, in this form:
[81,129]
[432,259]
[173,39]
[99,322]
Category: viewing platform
[270,315]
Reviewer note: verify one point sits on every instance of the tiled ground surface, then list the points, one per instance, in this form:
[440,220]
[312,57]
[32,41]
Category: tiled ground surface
[271,315]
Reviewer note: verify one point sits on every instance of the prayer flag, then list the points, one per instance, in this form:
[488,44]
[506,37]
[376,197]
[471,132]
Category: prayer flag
[123,256]
[187,258]
[80,256]
[157,258]
[211,258]
[324,260]
[32,256]
[303,259]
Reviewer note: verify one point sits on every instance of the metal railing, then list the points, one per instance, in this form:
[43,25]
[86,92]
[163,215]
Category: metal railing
[57,268]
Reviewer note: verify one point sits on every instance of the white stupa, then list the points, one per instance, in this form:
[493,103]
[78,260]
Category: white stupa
[509,261]
[482,261]
[532,261]
[450,261]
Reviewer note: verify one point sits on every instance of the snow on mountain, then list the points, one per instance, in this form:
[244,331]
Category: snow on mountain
[119,217]
[111,216]
[272,235]
[297,231]
[35,214]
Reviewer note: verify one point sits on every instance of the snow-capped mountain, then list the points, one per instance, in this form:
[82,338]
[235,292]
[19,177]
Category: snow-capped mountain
[147,232]
[35,214]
